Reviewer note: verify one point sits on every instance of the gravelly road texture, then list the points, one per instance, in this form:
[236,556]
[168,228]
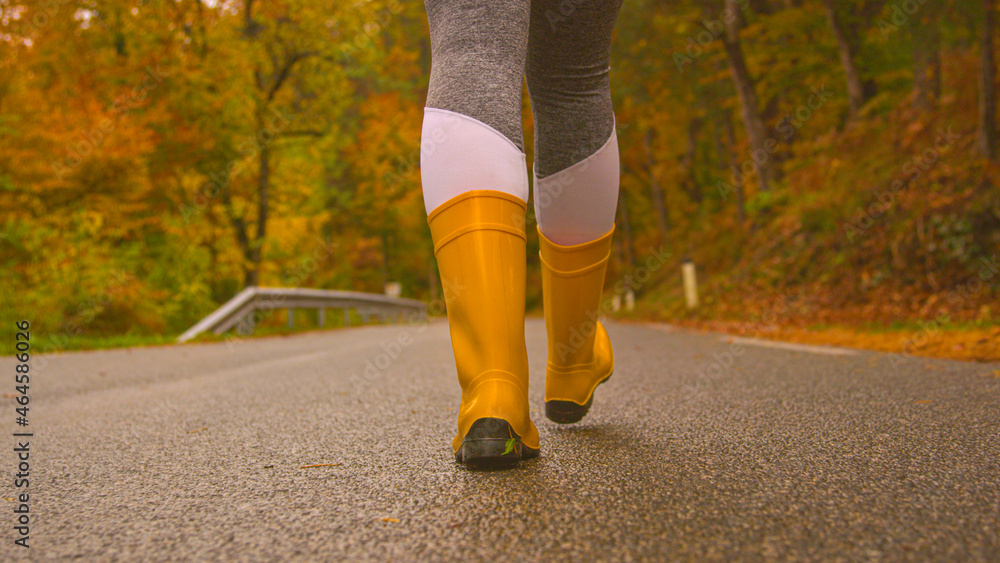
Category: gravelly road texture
[700,447]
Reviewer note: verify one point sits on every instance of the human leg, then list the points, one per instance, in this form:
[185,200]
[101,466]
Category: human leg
[475,188]
[576,191]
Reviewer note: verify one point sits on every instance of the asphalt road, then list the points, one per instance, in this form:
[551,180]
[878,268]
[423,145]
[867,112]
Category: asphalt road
[698,448]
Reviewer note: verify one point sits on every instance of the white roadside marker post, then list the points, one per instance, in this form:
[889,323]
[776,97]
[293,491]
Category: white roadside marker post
[690,284]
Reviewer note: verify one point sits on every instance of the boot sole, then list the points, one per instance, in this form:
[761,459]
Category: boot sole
[488,443]
[568,412]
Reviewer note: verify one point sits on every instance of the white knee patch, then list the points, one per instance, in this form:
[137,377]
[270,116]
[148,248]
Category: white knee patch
[578,204]
[460,154]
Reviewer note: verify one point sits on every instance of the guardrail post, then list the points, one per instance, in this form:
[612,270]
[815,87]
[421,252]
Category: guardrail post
[246,325]
[347,316]
[291,318]
[321,316]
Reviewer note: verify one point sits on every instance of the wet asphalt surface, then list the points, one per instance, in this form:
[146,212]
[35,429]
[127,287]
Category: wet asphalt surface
[699,448]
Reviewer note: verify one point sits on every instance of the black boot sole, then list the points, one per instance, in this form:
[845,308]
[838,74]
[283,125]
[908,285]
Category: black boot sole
[493,442]
[568,412]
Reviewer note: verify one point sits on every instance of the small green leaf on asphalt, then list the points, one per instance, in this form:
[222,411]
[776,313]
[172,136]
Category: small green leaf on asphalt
[510,446]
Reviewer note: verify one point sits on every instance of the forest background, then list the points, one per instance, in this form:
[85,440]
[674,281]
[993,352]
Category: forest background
[830,166]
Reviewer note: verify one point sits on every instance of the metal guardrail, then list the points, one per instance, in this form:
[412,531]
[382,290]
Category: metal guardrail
[241,307]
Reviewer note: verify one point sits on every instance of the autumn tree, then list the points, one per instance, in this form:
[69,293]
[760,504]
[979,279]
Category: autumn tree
[987,137]
[733,18]
[847,36]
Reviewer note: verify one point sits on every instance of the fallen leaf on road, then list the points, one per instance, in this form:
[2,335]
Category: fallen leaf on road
[390,520]
[9,395]
[10,499]
[923,401]
[198,430]
[320,465]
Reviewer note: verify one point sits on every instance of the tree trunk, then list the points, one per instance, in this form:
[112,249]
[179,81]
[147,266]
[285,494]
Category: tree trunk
[203,47]
[690,156]
[386,245]
[263,184]
[855,86]
[655,190]
[748,98]
[761,6]
[987,140]
[734,164]
[120,48]
[922,88]
[926,62]
[249,276]
[936,73]
[242,232]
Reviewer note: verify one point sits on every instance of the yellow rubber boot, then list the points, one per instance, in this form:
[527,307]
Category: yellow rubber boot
[580,353]
[479,243]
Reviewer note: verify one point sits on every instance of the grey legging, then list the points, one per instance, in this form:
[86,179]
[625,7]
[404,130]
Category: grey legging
[481,50]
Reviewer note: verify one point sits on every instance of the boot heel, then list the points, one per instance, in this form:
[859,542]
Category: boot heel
[568,412]
[492,441]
